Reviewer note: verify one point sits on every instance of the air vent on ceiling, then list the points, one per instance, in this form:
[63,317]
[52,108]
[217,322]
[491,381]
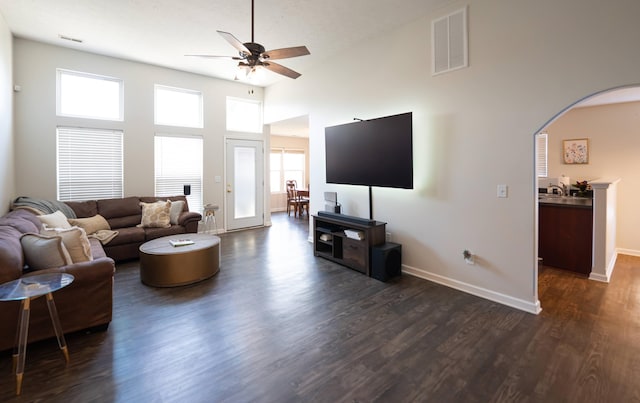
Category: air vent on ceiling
[449,42]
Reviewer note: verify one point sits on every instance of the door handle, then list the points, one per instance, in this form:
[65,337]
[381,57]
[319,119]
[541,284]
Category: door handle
[228,188]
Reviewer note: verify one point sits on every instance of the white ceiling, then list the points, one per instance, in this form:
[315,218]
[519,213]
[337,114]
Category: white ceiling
[630,94]
[161,32]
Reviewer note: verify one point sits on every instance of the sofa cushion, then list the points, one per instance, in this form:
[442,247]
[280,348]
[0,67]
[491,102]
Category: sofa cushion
[84,209]
[91,225]
[155,215]
[42,252]
[11,258]
[55,220]
[128,235]
[114,208]
[75,241]
[153,233]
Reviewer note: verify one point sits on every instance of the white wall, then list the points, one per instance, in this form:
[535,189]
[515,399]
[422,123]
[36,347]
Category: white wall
[614,145]
[36,120]
[473,128]
[7,186]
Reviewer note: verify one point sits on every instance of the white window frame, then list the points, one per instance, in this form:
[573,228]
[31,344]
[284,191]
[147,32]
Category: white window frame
[240,126]
[91,167]
[59,94]
[157,118]
[195,199]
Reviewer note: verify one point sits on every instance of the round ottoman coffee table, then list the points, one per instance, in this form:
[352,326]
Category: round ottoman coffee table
[164,265]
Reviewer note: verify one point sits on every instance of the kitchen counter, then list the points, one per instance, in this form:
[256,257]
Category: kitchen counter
[568,201]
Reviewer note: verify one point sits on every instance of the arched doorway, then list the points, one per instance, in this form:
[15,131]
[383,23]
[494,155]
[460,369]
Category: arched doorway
[609,121]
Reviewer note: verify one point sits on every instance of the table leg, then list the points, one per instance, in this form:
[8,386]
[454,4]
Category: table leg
[22,343]
[53,312]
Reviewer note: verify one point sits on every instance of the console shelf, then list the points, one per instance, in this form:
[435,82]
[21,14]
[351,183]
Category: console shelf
[330,241]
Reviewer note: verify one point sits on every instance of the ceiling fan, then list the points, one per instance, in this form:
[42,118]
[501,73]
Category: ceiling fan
[252,55]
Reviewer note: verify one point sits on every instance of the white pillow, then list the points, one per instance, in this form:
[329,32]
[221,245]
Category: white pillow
[55,220]
[41,252]
[176,209]
[75,240]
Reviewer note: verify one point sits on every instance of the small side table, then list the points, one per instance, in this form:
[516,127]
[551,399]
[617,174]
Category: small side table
[24,290]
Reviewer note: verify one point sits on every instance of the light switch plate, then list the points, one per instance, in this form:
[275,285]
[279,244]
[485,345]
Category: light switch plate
[503,191]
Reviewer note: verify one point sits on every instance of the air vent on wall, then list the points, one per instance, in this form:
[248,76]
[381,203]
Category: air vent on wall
[449,42]
[68,38]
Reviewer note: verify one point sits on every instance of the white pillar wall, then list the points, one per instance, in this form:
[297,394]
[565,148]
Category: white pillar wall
[604,228]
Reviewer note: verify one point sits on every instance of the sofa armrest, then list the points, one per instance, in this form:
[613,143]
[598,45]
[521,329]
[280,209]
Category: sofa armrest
[91,272]
[187,217]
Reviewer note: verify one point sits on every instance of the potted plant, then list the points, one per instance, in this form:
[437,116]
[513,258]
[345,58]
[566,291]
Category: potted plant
[583,188]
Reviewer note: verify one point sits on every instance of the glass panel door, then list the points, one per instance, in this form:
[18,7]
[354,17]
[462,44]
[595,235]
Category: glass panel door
[244,184]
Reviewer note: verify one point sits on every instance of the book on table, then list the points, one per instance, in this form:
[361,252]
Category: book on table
[181,242]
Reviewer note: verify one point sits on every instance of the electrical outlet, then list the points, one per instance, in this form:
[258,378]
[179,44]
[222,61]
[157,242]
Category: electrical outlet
[503,191]
[468,256]
[388,236]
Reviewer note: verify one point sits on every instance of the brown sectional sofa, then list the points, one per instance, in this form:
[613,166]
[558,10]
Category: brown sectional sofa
[124,214]
[86,303]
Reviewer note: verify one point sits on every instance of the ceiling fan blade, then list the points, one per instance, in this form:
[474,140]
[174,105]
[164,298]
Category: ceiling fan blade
[218,57]
[285,53]
[280,69]
[235,42]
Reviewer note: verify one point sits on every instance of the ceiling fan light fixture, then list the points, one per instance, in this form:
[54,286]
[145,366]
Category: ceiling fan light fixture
[253,55]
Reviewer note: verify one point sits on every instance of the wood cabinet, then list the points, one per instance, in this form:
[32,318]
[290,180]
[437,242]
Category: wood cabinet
[565,235]
[330,241]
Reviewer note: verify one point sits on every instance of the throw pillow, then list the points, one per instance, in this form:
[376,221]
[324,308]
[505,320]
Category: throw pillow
[176,208]
[155,215]
[75,241]
[91,225]
[42,252]
[55,220]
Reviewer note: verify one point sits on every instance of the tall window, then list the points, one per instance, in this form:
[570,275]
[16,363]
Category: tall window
[178,162]
[244,115]
[541,155]
[287,165]
[89,164]
[87,95]
[178,107]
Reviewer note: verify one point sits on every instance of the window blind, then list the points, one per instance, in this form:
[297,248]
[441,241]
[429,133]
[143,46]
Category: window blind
[89,164]
[178,162]
[541,155]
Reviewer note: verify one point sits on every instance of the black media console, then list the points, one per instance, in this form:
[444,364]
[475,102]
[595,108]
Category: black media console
[330,240]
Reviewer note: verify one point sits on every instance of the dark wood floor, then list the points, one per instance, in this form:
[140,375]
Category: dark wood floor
[278,325]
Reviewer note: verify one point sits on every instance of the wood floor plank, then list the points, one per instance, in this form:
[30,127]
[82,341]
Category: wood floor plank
[277,324]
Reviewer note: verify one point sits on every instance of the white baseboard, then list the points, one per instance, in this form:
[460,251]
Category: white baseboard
[630,252]
[517,303]
[605,278]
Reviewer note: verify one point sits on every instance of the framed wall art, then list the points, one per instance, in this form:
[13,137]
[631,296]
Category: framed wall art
[576,151]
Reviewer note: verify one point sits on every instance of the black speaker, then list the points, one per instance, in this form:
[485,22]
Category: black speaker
[386,261]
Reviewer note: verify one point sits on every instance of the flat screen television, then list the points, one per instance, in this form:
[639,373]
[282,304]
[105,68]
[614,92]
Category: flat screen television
[376,152]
